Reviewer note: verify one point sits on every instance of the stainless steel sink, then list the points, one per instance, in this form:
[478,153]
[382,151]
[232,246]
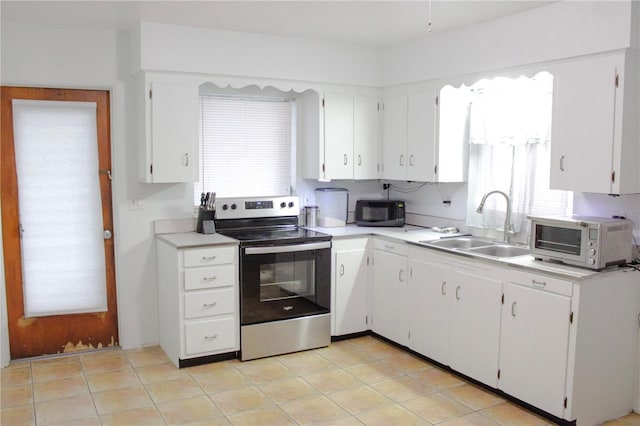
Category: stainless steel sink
[460,243]
[500,250]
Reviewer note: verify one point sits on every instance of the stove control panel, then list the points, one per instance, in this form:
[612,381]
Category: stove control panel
[252,207]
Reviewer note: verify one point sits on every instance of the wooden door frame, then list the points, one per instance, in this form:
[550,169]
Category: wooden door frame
[28,336]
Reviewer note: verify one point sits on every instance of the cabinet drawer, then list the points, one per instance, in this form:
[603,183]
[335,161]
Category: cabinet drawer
[207,303]
[391,247]
[210,336]
[210,277]
[541,282]
[209,256]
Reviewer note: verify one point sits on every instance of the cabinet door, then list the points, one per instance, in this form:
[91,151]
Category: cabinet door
[351,291]
[174,115]
[583,125]
[428,308]
[421,137]
[389,296]
[475,325]
[365,137]
[534,346]
[338,136]
[394,145]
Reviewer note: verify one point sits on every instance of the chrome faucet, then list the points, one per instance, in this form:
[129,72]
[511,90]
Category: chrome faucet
[508,228]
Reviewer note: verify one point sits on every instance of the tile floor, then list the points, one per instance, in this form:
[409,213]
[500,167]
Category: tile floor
[352,382]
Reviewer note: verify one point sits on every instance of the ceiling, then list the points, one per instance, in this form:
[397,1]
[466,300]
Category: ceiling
[368,23]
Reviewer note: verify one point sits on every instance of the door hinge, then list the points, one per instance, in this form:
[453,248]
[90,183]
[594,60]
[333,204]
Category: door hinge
[151,168]
[367,260]
[322,102]
[435,169]
[378,106]
[105,172]
[571,318]
[437,100]
[613,176]
[498,373]
[150,94]
[409,336]
[565,402]
[617,80]
[410,272]
[366,319]
[502,299]
[322,167]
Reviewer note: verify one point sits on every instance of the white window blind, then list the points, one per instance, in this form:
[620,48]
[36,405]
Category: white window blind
[63,261]
[245,146]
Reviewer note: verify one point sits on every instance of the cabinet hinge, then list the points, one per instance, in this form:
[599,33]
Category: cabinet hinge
[410,272]
[366,319]
[435,169]
[378,166]
[409,336]
[378,106]
[617,80]
[367,260]
[565,402]
[437,100]
[151,168]
[150,94]
[498,373]
[322,102]
[571,318]
[502,299]
[613,176]
[322,167]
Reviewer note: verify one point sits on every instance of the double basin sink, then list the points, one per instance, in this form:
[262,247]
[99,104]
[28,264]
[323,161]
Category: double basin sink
[478,247]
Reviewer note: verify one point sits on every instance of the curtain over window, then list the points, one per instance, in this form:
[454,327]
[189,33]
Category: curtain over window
[245,146]
[510,136]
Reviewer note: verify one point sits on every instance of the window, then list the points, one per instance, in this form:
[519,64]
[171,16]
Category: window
[245,146]
[509,136]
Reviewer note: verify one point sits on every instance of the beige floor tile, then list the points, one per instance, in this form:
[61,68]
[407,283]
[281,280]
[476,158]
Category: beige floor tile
[62,359]
[10,377]
[270,416]
[345,421]
[317,409]
[18,416]
[222,381]
[121,399]
[213,367]
[64,409]
[402,388]
[390,415]
[86,421]
[332,381]
[116,379]
[345,356]
[437,378]
[507,413]
[61,388]
[173,390]
[307,363]
[160,373]
[359,399]
[146,356]
[138,417]
[473,419]
[98,362]
[17,395]
[631,419]
[374,372]
[266,372]
[378,350]
[436,408]
[408,363]
[43,372]
[287,390]
[186,411]
[473,396]
[240,400]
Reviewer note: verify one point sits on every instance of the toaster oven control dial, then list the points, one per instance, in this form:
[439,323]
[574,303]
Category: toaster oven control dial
[592,261]
[592,251]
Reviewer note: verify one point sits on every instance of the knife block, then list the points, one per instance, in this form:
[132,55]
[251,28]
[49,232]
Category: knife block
[206,224]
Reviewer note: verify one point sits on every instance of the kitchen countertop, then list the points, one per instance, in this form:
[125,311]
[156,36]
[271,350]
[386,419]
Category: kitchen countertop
[194,239]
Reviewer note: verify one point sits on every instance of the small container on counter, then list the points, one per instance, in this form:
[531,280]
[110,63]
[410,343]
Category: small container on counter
[310,216]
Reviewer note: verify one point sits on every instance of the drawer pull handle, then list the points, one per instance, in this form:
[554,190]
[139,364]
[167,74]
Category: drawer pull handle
[540,283]
[209,278]
[402,160]
[458,293]
[513,309]
[443,288]
[209,305]
[208,257]
[341,269]
[400,275]
[389,247]
[215,336]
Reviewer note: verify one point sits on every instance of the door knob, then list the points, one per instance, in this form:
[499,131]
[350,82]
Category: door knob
[106,234]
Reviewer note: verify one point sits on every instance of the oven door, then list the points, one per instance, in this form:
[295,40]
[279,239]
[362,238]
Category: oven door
[563,242]
[285,281]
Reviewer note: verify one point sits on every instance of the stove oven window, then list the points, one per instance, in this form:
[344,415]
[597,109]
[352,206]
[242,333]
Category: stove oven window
[287,280]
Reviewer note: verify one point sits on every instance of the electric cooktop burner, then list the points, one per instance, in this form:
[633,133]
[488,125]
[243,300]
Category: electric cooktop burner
[288,235]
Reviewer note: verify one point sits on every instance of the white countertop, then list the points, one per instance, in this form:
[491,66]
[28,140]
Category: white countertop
[194,239]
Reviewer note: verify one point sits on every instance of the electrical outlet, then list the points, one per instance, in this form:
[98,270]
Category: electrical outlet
[135,205]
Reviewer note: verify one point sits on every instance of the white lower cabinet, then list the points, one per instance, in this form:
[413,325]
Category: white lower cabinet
[388,311]
[535,340]
[349,286]
[198,301]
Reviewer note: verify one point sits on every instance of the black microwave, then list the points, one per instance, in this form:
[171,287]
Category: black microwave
[380,213]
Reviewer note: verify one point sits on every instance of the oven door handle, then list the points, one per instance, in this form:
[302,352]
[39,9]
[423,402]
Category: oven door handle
[288,249]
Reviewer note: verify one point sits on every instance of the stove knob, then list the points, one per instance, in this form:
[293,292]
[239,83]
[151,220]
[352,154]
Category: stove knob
[283,205]
[290,204]
[233,206]
[225,207]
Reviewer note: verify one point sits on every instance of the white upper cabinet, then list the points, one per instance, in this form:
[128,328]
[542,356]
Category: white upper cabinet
[413,145]
[170,133]
[347,143]
[594,140]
